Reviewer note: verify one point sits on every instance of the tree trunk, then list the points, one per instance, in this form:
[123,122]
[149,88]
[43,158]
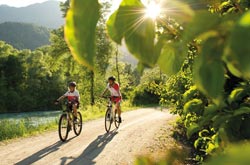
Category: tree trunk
[92,81]
[117,67]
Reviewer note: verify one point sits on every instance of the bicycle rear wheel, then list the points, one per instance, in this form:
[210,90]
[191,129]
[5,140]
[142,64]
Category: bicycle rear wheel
[117,123]
[78,124]
[108,120]
[63,129]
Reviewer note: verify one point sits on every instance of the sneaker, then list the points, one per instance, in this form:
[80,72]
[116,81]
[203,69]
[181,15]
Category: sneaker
[119,119]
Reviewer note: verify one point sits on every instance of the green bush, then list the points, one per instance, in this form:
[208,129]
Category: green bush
[145,94]
[175,87]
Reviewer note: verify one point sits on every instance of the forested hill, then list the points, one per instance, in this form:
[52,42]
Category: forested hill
[23,35]
[46,14]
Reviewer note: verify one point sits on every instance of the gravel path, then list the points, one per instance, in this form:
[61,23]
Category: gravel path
[94,146]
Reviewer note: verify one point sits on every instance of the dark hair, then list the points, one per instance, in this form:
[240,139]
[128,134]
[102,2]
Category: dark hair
[111,78]
[72,84]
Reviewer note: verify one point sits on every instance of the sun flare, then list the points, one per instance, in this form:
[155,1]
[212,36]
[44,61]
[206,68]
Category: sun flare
[153,10]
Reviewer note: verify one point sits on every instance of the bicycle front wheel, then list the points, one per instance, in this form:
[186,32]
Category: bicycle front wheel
[78,124]
[117,123]
[63,127]
[108,120]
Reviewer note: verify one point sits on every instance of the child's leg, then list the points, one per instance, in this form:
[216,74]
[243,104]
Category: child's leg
[118,107]
[75,109]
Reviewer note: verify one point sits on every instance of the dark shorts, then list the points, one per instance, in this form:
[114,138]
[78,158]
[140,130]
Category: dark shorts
[71,103]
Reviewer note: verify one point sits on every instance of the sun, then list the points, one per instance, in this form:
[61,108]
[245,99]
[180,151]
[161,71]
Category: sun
[153,10]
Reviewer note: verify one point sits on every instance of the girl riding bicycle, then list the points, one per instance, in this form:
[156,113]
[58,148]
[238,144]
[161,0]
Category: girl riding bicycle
[116,96]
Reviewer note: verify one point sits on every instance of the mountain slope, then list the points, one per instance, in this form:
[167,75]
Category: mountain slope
[23,35]
[46,14]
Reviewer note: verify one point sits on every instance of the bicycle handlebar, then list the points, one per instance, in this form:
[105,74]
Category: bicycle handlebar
[106,97]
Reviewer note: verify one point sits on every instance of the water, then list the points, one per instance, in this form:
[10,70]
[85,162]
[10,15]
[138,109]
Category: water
[32,118]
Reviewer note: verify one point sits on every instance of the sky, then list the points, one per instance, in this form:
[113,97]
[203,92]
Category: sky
[21,3]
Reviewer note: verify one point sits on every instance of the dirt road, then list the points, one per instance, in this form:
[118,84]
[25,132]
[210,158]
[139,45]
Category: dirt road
[93,146]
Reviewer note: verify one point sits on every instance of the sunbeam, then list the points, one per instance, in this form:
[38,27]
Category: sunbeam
[153,10]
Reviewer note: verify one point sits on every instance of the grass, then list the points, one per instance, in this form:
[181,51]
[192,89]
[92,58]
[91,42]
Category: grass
[11,129]
[98,111]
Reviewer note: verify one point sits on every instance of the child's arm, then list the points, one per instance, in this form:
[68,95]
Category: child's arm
[103,93]
[60,98]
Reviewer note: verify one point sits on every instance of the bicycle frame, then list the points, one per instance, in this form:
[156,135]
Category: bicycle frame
[110,106]
[67,116]
[113,115]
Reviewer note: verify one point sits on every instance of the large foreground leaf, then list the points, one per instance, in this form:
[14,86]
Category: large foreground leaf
[171,58]
[209,69]
[138,31]
[80,28]
[238,55]
[178,10]
[203,22]
[129,22]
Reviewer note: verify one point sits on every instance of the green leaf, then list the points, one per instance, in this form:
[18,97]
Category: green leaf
[209,71]
[140,42]
[202,22]
[211,148]
[210,109]
[194,128]
[178,10]
[195,106]
[238,56]
[190,94]
[80,27]
[220,119]
[203,133]
[113,32]
[233,154]
[129,22]
[209,112]
[236,95]
[241,111]
[230,63]
[171,58]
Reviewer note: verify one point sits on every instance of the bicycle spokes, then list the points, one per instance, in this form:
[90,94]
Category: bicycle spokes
[78,124]
[108,120]
[117,123]
[111,117]
[63,127]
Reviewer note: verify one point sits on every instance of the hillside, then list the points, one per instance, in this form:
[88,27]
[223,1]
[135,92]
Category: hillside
[23,35]
[46,14]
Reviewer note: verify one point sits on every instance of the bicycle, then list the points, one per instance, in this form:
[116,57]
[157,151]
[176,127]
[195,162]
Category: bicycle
[66,122]
[111,116]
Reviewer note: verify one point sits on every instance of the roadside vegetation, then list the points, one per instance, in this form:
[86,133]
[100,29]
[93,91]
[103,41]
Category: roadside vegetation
[33,123]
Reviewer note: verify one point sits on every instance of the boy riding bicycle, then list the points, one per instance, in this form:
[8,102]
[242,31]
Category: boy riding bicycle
[73,97]
[116,96]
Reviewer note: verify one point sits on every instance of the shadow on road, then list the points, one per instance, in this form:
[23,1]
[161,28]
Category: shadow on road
[93,150]
[42,153]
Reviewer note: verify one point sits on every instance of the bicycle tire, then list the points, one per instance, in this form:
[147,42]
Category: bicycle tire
[78,124]
[63,129]
[108,120]
[117,123]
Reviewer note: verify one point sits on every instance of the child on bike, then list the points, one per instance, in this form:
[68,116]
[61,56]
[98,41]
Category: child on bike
[73,97]
[116,96]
